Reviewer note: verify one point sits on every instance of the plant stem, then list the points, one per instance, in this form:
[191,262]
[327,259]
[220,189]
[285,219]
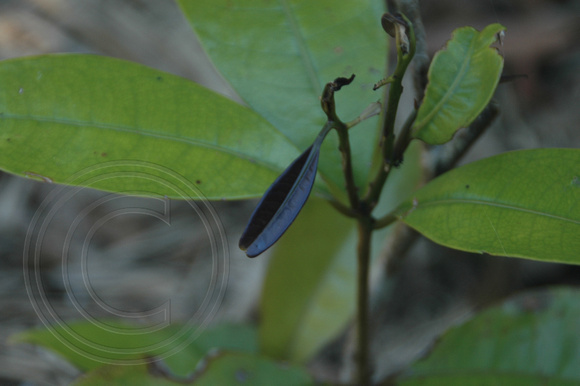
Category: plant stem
[396,89]
[365,229]
[342,208]
[363,369]
[446,156]
[384,221]
[404,139]
[344,147]
[392,154]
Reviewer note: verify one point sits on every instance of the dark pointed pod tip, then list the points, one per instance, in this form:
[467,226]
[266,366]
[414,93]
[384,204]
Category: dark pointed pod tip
[327,98]
[340,82]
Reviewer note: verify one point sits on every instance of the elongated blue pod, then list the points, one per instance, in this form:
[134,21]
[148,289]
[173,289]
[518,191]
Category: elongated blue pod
[282,202]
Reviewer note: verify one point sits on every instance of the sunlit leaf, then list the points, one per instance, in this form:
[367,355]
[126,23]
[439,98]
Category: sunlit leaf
[531,339]
[462,79]
[81,119]
[522,204]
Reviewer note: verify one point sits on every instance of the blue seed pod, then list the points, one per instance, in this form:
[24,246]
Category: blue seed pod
[282,202]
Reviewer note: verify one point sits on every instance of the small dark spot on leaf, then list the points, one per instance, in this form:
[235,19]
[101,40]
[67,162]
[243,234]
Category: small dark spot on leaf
[533,303]
[284,365]
[103,154]
[466,186]
[338,50]
[198,182]
[242,376]
[159,78]
[8,139]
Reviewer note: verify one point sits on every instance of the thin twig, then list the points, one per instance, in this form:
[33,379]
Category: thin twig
[328,106]
[345,210]
[421,59]
[445,157]
[396,89]
[384,221]
[363,369]
[344,147]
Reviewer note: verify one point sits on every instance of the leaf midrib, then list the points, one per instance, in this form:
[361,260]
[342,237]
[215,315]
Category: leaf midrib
[450,90]
[487,372]
[302,46]
[494,204]
[142,132]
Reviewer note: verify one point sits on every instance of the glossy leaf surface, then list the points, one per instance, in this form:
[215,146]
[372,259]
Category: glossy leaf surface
[462,79]
[531,339]
[80,115]
[282,201]
[89,345]
[228,368]
[278,56]
[316,260]
[523,204]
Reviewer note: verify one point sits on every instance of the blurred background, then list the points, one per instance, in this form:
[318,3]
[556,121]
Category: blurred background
[137,262]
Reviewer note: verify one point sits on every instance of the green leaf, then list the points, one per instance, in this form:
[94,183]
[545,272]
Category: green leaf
[462,80]
[317,251]
[531,339]
[228,368]
[116,375]
[123,127]
[247,369]
[309,292]
[522,204]
[88,345]
[278,56]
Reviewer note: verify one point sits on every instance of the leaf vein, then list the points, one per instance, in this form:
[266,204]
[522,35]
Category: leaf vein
[499,205]
[146,133]
[451,90]
[304,52]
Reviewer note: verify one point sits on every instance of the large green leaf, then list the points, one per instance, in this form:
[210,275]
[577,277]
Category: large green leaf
[279,54]
[88,345]
[310,289]
[115,375]
[462,79]
[227,368]
[531,339]
[84,119]
[522,204]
